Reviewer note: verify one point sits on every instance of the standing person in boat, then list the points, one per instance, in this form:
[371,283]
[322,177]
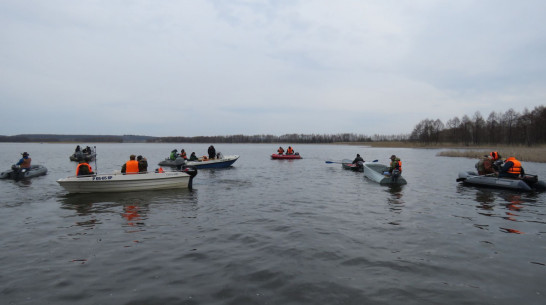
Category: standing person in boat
[193,157]
[290,150]
[131,166]
[212,152]
[84,169]
[142,164]
[485,165]
[395,164]
[511,169]
[358,159]
[280,151]
[183,154]
[24,162]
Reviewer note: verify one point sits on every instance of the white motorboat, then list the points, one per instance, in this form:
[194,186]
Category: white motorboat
[118,182]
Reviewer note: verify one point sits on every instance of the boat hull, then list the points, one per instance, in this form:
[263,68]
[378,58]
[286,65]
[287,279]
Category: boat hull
[285,157]
[224,162]
[348,164]
[472,178]
[34,171]
[374,172]
[117,182]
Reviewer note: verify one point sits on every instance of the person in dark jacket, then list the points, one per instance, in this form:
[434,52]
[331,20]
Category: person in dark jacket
[358,159]
[142,164]
[511,169]
[212,152]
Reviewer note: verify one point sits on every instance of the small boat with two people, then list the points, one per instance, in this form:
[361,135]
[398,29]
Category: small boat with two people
[290,154]
[526,183]
[87,154]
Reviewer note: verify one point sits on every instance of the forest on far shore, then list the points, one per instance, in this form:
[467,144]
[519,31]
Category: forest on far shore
[509,128]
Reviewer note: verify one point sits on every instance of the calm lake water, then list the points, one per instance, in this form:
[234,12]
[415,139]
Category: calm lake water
[270,232]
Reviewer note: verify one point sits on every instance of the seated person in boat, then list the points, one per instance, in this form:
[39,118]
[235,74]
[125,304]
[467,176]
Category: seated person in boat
[78,149]
[24,162]
[174,154]
[142,164]
[280,151]
[84,169]
[131,166]
[358,159]
[396,164]
[290,150]
[485,166]
[193,157]
[183,154]
[511,169]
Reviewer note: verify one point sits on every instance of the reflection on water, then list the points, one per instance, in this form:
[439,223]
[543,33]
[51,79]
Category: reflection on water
[395,201]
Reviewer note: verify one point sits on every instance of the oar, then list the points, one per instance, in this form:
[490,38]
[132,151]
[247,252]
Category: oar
[329,162]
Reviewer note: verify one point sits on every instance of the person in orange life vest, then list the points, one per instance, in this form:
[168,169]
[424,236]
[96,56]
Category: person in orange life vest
[290,150]
[511,169]
[395,164]
[280,151]
[131,166]
[183,154]
[84,169]
[24,162]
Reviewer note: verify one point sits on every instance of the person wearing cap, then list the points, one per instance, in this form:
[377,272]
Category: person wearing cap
[24,162]
[142,164]
[131,166]
[395,164]
[358,159]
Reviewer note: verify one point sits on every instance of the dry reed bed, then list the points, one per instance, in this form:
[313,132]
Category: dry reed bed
[529,154]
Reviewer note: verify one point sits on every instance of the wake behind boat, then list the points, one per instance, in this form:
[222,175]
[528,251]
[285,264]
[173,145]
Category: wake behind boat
[375,172]
[118,182]
[527,183]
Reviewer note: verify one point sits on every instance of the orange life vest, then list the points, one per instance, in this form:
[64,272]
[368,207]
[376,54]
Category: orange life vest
[131,167]
[516,168]
[80,165]
[280,151]
[289,151]
[183,155]
[26,163]
[160,170]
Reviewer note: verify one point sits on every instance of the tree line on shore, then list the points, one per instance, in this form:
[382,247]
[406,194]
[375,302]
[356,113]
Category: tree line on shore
[509,128]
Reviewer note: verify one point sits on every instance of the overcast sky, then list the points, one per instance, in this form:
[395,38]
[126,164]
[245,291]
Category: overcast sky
[190,68]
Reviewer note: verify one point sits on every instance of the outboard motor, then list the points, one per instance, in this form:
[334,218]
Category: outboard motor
[192,171]
[395,175]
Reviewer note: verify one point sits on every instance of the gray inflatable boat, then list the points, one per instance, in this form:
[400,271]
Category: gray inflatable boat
[17,174]
[527,183]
